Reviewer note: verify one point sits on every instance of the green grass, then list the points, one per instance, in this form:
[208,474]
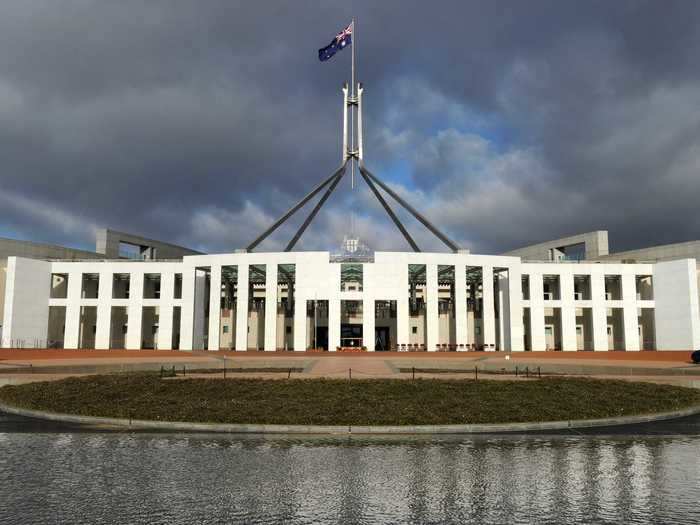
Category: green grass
[343,402]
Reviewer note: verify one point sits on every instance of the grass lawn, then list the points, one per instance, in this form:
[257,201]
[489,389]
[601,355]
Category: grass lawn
[343,402]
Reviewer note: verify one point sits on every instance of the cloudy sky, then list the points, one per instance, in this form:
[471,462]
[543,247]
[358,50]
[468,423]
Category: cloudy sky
[199,122]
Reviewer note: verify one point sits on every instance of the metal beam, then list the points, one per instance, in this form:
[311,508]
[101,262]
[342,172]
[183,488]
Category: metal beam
[389,211]
[444,238]
[338,175]
[296,207]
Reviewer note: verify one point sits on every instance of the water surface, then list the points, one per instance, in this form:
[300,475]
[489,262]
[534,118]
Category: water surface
[61,475]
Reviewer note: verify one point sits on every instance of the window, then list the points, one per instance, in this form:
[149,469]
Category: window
[350,276]
[225,329]
[414,330]
[582,287]
[151,286]
[550,284]
[59,286]
[177,293]
[90,285]
[645,289]
[120,285]
[525,286]
[613,287]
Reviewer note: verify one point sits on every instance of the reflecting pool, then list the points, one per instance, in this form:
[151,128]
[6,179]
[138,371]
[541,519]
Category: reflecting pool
[54,475]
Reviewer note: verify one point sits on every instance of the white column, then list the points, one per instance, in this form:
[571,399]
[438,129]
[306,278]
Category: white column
[242,308]
[214,306]
[537,336]
[165,311]
[134,311]
[514,300]
[489,320]
[104,311]
[501,333]
[599,312]
[431,306]
[629,305]
[72,333]
[165,327]
[460,305]
[368,323]
[198,317]
[333,322]
[271,307]
[187,310]
[299,322]
[402,336]
[568,312]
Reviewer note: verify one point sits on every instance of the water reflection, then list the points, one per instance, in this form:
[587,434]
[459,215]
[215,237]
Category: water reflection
[156,478]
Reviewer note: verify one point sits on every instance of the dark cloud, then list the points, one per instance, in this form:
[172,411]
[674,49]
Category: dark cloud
[199,123]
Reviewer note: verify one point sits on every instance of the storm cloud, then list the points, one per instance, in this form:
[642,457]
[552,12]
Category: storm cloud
[199,122]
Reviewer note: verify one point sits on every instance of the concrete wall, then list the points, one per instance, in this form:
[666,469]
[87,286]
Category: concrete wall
[666,252]
[107,243]
[596,245]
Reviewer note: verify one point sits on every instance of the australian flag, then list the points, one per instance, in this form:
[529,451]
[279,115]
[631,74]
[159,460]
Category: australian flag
[342,39]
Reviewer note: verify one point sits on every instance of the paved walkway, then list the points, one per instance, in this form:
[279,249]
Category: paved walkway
[24,365]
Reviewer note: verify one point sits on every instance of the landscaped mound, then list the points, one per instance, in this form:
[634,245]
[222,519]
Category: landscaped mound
[345,402]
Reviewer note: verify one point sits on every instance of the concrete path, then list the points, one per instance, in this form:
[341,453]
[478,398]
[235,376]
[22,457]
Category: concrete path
[40,365]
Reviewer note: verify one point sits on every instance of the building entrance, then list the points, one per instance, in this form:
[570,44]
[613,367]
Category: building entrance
[321,337]
[350,334]
[382,341]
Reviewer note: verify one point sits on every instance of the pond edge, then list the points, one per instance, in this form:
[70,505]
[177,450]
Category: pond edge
[230,428]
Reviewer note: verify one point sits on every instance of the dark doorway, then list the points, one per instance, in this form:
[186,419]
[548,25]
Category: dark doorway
[322,337]
[382,341]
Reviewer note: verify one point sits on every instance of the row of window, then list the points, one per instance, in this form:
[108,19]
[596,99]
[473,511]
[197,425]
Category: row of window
[644,289]
[121,286]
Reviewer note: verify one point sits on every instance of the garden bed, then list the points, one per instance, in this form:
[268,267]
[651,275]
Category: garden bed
[347,402]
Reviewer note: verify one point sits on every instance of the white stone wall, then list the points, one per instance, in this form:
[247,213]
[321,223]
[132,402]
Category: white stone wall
[26,316]
[675,294]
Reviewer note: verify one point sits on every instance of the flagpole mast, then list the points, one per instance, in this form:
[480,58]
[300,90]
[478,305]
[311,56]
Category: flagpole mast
[353,94]
[352,108]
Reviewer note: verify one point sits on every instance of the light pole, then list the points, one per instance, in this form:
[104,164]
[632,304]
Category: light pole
[315,323]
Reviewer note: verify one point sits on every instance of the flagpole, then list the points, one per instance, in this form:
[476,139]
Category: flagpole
[352,126]
[352,108]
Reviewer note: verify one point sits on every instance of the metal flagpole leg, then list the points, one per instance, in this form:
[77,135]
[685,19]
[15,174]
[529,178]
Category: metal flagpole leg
[296,207]
[313,213]
[444,238]
[391,213]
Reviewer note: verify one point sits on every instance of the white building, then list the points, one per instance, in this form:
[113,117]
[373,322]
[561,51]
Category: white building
[395,300]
